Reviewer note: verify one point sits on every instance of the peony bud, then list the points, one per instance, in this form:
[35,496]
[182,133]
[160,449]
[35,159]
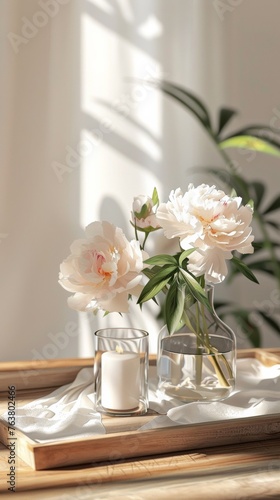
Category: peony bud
[143,213]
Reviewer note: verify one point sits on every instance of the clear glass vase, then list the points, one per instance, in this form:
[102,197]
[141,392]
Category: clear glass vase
[199,361]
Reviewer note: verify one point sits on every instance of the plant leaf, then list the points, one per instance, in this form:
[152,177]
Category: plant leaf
[184,255]
[270,321]
[156,283]
[273,224]
[151,290]
[161,260]
[150,272]
[225,116]
[263,132]
[265,266]
[221,304]
[257,190]
[260,129]
[248,326]
[251,143]
[174,306]
[187,99]
[273,206]
[195,288]
[155,198]
[241,267]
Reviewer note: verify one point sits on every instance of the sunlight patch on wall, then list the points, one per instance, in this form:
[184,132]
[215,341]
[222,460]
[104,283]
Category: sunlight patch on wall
[120,145]
[122,121]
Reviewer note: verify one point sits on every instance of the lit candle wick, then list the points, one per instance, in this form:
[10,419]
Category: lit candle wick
[119,349]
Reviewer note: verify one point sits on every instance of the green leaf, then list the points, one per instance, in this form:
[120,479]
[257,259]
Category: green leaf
[251,143]
[257,190]
[253,333]
[242,268]
[189,300]
[151,272]
[184,255]
[260,129]
[225,116]
[266,266]
[248,326]
[273,224]
[251,204]
[151,290]
[261,245]
[195,288]
[174,306]
[188,100]
[161,260]
[270,321]
[155,198]
[258,245]
[156,283]
[275,205]
[219,304]
[263,132]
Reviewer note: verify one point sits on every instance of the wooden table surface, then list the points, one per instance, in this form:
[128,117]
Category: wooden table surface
[243,471]
[233,472]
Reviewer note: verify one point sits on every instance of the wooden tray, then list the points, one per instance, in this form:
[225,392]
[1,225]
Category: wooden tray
[123,439]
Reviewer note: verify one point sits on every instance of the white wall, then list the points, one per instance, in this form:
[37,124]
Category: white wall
[49,94]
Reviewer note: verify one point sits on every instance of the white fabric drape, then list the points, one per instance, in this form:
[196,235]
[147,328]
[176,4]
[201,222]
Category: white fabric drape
[79,140]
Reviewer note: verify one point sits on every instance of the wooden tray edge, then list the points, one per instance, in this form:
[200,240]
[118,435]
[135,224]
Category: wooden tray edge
[124,445]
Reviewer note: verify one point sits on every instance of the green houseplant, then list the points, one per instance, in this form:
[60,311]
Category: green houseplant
[257,138]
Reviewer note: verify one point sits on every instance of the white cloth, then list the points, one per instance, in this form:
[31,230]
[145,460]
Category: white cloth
[69,412]
[257,392]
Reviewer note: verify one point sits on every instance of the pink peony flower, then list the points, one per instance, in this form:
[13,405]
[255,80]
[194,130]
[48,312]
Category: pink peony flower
[102,270]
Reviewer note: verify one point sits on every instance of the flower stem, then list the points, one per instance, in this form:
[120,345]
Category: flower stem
[203,342]
[144,241]
[214,354]
[198,358]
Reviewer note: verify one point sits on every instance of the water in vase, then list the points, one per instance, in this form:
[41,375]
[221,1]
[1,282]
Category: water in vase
[190,373]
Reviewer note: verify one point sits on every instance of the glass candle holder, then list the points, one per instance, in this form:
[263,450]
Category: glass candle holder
[121,371]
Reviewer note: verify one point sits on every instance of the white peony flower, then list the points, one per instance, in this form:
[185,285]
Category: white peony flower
[207,219]
[176,219]
[102,270]
[210,262]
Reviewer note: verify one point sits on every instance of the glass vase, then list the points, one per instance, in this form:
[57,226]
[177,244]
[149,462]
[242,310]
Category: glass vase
[199,361]
[121,371]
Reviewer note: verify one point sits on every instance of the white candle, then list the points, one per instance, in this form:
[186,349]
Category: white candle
[120,375]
